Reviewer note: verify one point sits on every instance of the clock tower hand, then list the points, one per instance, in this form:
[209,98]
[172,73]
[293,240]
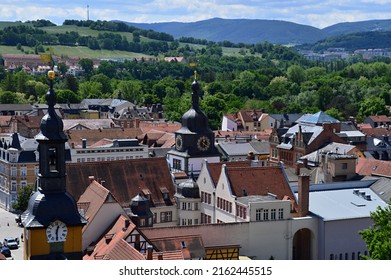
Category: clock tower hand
[58,227]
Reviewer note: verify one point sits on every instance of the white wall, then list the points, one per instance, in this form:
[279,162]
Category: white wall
[108,213]
[341,236]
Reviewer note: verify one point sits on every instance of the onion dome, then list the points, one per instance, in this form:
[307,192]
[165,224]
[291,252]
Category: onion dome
[52,126]
[194,119]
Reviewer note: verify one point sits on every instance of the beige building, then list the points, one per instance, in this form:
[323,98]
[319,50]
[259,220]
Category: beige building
[19,166]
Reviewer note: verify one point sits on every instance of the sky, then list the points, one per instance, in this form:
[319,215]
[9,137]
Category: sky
[317,13]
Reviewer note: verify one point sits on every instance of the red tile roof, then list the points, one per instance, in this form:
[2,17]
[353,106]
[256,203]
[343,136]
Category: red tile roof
[380,118]
[259,181]
[163,127]
[173,255]
[254,180]
[191,246]
[247,115]
[93,199]
[215,167]
[376,131]
[113,246]
[95,135]
[373,167]
[29,121]
[124,178]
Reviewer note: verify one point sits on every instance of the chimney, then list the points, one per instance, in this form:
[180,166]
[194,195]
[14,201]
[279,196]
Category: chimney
[160,256]
[91,179]
[304,193]
[297,169]
[305,162]
[250,155]
[149,252]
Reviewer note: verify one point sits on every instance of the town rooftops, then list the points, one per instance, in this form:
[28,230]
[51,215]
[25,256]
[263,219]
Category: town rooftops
[125,179]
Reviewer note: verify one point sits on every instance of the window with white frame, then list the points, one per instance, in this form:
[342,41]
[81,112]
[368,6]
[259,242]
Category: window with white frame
[273,214]
[280,213]
[258,214]
[13,185]
[23,171]
[266,214]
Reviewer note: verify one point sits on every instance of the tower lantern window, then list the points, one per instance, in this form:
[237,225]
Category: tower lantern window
[52,159]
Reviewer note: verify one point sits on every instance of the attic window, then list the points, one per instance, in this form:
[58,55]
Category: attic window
[183,244]
[146,192]
[90,249]
[109,237]
[165,193]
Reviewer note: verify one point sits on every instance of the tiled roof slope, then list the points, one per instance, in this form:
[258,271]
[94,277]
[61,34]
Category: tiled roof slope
[191,245]
[94,135]
[124,178]
[171,255]
[112,246]
[254,180]
[215,167]
[259,181]
[92,200]
[29,121]
[373,167]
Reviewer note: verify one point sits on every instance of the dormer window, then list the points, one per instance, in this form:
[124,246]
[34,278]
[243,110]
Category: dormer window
[165,193]
[147,194]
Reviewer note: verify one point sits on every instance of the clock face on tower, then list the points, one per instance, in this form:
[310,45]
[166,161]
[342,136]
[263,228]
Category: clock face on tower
[178,142]
[203,143]
[56,232]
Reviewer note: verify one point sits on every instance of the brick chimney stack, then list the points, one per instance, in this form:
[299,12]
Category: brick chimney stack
[304,194]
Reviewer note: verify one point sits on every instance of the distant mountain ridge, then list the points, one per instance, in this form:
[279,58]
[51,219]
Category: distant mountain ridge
[252,31]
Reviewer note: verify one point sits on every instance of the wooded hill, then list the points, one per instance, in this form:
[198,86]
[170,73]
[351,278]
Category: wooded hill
[254,31]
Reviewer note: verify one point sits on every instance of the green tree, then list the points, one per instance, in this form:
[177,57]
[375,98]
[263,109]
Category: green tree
[91,90]
[8,97]
[149,99]
[21,81]
[214,107]
[296,74]
[71,83]
[22,198]
[62,68]
[105,81]
[131,90]
[87,65]
[66,95]
[378,236]
[372,106]
[335,113]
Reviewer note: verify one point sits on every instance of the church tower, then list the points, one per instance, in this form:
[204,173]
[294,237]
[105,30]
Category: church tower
[194,141]
[52,223]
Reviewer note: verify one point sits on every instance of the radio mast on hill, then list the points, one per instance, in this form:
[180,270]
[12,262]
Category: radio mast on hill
[88,12]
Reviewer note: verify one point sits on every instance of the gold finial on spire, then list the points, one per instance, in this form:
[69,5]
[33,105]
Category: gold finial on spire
[195,75]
